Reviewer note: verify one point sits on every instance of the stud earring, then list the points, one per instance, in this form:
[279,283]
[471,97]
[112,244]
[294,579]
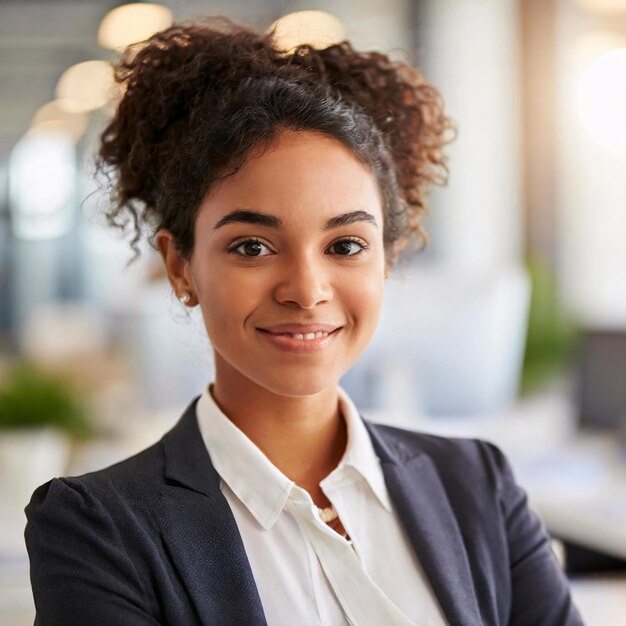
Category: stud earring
[185,298]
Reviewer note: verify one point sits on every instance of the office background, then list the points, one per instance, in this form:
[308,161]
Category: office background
[510,325]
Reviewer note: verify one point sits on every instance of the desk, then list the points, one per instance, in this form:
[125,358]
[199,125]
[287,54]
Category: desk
[601,601]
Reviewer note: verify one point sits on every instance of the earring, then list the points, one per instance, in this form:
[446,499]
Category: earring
[185,298]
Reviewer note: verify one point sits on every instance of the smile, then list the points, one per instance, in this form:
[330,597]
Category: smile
[306,336]
[301,343]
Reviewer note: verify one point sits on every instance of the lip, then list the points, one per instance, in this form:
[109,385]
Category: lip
[301,328]
[301,346]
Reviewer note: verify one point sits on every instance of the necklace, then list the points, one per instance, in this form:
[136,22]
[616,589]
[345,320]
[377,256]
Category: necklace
[328,514]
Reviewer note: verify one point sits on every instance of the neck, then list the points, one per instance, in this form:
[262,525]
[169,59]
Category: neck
[304,437]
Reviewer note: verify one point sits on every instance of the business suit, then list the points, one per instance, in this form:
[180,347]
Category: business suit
[152,540]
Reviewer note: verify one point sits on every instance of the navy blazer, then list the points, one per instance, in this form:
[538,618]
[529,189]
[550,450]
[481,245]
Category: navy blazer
[152,540]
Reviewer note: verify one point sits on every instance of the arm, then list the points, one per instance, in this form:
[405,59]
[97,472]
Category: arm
[540,591]
[80,572]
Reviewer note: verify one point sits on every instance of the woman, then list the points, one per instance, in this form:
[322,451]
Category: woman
[280,189]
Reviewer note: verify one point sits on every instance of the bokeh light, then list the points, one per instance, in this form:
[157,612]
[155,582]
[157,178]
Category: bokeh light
[131,23]
[54,116]
[86,86]
[316,28]
[42,184]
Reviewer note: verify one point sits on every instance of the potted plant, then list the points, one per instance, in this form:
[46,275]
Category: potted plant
[554,335]
[41,416]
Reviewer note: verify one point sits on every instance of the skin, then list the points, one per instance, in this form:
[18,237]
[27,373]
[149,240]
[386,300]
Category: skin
[286,404]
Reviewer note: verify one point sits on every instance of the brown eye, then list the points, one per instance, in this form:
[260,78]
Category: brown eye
[250,248]
[348,247]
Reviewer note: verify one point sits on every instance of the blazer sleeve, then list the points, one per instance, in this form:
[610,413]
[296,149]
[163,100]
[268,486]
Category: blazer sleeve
[79,569]
[540,590]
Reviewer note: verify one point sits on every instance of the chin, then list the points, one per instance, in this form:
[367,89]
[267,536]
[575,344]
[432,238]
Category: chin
[301,385]
[283,379]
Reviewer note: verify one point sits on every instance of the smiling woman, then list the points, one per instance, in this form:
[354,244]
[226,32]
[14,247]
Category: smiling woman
[293,260]
[279,190]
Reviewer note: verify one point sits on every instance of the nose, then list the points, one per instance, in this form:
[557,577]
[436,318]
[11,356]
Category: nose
[304,282]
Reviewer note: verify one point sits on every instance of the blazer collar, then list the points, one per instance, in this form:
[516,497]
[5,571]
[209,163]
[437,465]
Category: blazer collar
[211,535]
[425,511]
[261,486]
[201,533]
[187,460]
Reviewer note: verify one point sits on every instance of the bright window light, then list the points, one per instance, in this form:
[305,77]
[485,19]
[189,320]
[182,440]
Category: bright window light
[602,100]
[603,6]
[42,182]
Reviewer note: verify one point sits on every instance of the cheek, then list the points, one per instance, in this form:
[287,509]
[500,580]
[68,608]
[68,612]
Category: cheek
[363,299]
[227,299]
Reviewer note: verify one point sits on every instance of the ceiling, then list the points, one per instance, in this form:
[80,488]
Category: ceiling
[40,39]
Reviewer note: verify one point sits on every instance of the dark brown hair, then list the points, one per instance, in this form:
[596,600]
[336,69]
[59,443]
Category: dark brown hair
[199,96]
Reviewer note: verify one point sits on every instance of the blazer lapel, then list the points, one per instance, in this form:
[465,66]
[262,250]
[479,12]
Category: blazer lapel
[208,550]
[424,509]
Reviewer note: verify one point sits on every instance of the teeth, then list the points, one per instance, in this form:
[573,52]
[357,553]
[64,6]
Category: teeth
[308,336]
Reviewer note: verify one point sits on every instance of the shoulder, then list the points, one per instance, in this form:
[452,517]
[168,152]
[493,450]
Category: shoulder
[90,540]
[456,459]
[123,485]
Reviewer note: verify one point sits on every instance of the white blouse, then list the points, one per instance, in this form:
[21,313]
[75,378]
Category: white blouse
[305,572]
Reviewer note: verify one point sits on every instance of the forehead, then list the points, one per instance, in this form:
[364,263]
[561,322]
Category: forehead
[299,176]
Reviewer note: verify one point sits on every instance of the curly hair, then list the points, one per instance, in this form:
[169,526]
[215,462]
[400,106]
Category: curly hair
[199,96]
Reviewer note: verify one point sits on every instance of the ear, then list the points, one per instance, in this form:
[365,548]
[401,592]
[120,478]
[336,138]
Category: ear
[177,267]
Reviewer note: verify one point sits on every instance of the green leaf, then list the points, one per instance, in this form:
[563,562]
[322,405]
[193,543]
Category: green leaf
[31,398]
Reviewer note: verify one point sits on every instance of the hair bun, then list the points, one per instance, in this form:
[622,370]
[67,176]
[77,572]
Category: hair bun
[404,106]
[163,81]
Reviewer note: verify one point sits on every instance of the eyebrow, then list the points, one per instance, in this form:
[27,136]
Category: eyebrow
[247,216]
[350,218]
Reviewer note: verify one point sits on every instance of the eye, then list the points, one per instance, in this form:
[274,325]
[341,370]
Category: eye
[349,247]
[250,247]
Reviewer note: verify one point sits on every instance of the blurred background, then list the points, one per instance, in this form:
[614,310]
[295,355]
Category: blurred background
[510,326]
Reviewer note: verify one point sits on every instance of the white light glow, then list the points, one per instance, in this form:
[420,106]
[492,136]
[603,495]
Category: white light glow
[603,6]
[54,116]
[589,47]
[86,86]
[602,100]
[316,28]
[131,23]
[42,183]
